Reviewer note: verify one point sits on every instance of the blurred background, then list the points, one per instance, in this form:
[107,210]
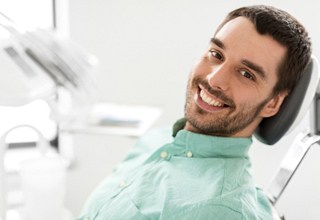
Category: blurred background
[145,51]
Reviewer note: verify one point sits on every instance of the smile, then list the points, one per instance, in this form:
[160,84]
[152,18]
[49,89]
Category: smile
[210,100]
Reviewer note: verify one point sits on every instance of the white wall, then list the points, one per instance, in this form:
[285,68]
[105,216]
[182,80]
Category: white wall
[146,49]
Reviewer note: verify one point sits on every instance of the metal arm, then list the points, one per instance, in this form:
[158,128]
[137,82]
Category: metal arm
[290,164]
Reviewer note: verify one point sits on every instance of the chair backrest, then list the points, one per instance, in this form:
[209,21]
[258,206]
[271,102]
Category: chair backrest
[293,109]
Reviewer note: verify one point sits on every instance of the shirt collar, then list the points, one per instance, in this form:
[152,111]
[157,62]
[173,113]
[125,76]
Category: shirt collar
[212,146]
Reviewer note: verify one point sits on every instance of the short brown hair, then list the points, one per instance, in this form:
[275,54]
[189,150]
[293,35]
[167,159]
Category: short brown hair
[286,30]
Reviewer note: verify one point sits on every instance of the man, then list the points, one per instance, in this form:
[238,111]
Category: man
[253,61]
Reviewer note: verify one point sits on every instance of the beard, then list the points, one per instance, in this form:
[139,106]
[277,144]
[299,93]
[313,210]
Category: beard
[232,120]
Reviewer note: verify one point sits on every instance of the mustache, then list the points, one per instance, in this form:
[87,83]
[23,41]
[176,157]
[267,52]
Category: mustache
[219,94]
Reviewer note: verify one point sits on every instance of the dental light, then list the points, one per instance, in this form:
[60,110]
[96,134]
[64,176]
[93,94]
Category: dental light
[22,81]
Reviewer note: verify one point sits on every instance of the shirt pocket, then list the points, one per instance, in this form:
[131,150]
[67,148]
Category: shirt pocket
[120,208]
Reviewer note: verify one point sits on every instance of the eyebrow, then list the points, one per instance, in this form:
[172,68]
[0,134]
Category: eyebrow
[258,69]
[218,42]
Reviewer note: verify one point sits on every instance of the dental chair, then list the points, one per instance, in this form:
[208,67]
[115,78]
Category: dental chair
[305,96]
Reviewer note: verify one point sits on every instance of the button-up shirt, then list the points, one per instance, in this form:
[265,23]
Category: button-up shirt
[191,176]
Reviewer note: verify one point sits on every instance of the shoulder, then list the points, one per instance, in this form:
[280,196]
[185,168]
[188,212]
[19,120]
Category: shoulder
[148,143]
[163,134]
[155,138]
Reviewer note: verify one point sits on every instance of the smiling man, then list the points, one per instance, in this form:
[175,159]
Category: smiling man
[252,63]
[231,88]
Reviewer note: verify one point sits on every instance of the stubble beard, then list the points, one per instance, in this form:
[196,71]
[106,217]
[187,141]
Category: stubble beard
[227,123]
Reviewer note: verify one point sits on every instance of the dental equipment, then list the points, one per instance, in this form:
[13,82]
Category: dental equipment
[42,65]
[43,148]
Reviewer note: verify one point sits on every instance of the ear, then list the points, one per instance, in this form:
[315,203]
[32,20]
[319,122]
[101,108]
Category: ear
[273,105]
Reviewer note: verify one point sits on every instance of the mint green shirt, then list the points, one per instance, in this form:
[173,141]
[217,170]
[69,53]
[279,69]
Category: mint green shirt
[191,176]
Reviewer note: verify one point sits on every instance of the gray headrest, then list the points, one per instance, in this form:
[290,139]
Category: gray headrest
[293,108]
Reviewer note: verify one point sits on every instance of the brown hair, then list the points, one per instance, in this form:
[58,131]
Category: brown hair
[286,30]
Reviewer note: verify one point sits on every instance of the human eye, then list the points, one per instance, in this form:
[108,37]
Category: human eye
[247,74]
[215,54]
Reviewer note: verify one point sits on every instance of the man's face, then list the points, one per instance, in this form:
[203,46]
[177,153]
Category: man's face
[230,89]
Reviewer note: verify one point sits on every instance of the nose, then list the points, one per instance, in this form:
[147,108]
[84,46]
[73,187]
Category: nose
[219,78]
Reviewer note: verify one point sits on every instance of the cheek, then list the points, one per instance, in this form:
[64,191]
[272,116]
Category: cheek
[243,97]
[201,68]
[251,92]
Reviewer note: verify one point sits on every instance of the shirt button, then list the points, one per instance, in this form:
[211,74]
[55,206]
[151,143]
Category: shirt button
[164,154]
[189,154]
[122,184]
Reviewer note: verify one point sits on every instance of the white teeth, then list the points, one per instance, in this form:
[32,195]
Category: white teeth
[209,100]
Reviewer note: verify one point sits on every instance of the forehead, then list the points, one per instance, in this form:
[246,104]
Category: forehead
[242,42]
